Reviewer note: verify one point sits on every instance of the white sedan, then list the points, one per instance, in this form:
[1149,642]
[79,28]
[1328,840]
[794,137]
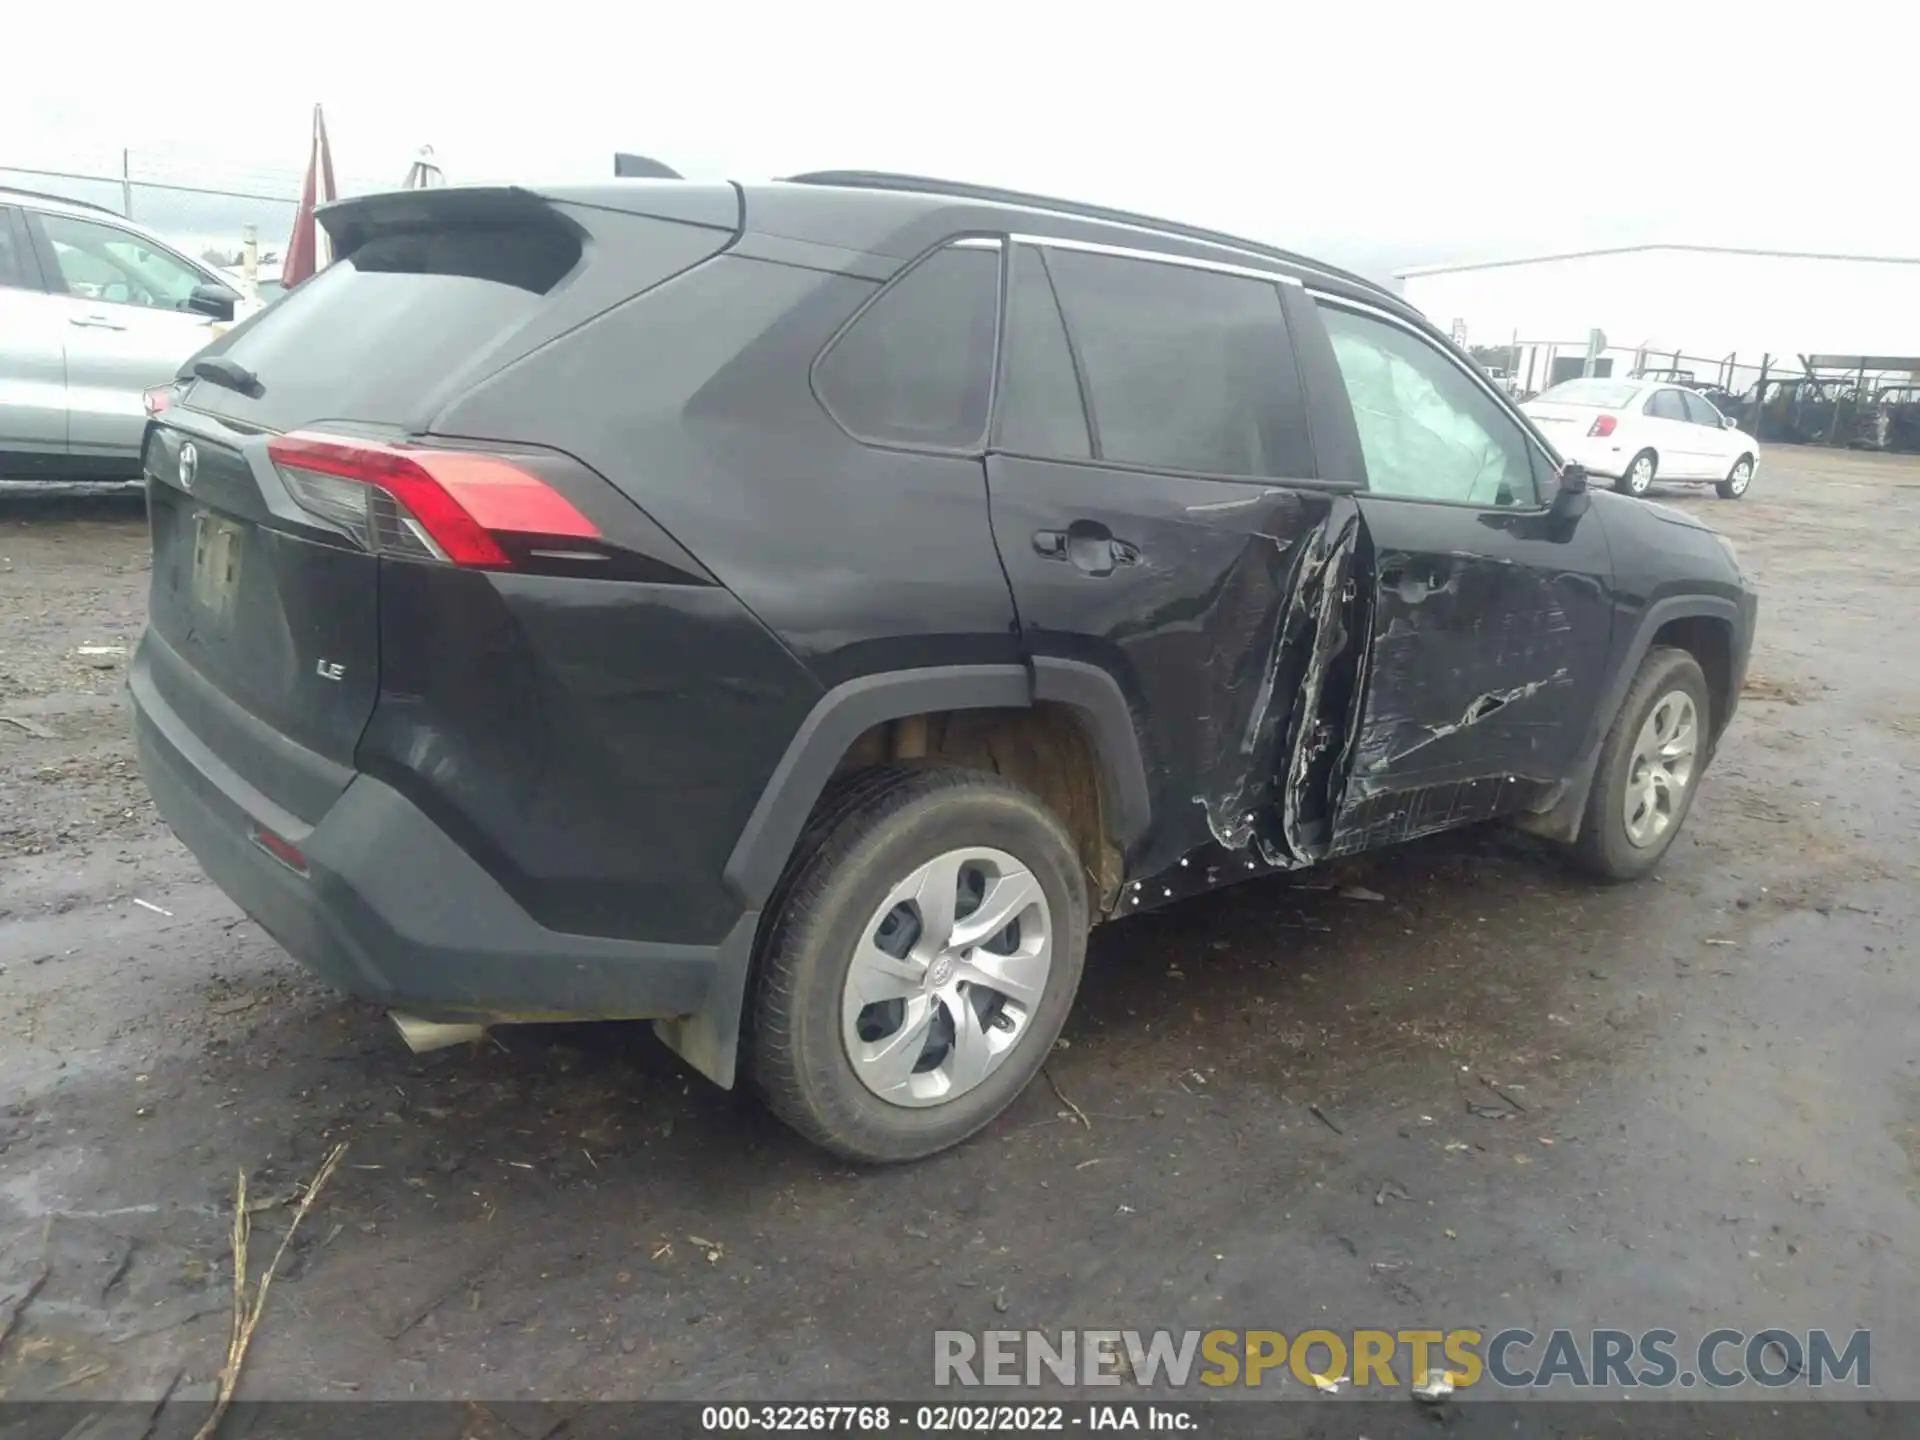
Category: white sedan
[1632,431]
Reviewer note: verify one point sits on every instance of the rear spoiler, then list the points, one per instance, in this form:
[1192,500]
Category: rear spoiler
[351,223]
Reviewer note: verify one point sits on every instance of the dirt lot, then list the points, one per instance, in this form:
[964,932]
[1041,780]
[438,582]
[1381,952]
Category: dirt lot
[1712,1111]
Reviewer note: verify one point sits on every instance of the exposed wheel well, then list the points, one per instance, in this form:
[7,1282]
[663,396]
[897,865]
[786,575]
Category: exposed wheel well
[1710,642]
[1045,749]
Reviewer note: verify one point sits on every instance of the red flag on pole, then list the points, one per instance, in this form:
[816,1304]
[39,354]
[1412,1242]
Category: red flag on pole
[308,250]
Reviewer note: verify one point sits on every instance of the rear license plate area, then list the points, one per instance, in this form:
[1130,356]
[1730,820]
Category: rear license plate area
[217,548]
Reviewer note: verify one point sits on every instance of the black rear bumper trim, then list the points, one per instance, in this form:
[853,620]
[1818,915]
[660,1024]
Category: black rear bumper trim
[395,912]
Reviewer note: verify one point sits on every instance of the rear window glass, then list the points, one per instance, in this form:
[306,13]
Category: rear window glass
[1607,394]
[379,331]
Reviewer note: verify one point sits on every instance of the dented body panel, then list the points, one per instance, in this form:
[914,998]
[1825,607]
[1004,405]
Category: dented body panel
[1205,629]
[1489,649]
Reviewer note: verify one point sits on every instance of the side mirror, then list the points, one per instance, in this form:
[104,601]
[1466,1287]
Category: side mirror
[1570,499]
[1727,422]
[214,300]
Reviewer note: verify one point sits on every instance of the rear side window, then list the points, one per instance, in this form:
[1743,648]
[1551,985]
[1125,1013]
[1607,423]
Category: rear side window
[1184,369]
[13,263]
[1042,412]
[916,366]
[1665,405]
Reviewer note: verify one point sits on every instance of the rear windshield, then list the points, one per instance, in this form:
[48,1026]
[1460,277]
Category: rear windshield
[374,334]
[1607,394]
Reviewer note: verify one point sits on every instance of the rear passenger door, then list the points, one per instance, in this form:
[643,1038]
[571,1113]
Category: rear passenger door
[1491,616]
[1154,501]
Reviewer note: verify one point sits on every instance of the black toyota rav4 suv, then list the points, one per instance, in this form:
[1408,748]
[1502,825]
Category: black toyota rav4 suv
[797,612]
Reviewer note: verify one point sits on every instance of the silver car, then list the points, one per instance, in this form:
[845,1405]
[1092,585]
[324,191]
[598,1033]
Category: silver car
[94,311]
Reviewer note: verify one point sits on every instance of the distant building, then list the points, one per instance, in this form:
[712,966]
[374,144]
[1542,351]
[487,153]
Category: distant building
[1717,310]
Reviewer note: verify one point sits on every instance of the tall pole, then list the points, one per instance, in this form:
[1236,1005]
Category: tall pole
[126,184]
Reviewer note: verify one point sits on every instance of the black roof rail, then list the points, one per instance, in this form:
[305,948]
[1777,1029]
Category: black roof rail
[6,189]
[925,185]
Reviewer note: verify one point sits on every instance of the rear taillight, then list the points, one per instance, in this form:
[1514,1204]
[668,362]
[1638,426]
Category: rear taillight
[456,507]
[160,397]
[1603,426]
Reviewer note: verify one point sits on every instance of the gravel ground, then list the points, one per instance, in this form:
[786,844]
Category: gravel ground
[1712,1111]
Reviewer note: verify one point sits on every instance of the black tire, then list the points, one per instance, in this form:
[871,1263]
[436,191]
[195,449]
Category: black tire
[1625,484]
[1603,849]
[1733,487]
[873,830]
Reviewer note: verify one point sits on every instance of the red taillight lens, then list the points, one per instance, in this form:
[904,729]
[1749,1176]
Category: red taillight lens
[1603,426]
[160,397]
[449,505]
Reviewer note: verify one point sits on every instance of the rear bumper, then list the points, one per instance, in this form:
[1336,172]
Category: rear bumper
[394,911]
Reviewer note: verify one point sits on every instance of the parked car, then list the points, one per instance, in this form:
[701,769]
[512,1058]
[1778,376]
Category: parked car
[1631,431]
[798,612]
[94,310]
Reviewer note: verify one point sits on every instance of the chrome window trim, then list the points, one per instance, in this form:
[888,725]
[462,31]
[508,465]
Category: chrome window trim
[1159,234]
[1159,257]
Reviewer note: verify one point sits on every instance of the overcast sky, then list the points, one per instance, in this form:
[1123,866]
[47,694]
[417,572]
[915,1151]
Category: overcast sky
[1372,133]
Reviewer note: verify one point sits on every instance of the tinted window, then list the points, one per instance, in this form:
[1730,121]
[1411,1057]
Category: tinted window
[1041,412]
[104,262]
[1665,405]
[1427,430]
[1699,410]
[13,265]
[1185,369]
[916,367]
[381,331]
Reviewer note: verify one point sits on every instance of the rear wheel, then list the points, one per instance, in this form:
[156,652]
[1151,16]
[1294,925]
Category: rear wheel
[919,963]
[1637,478]
[1738,478]
[1648,769]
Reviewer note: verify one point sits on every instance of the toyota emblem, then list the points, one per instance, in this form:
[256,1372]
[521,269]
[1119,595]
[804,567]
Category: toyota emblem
[189,465]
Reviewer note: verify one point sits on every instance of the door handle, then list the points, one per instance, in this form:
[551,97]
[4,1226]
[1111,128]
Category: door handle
[1088,545]
[93,322]
[1050,544]
[1416,579]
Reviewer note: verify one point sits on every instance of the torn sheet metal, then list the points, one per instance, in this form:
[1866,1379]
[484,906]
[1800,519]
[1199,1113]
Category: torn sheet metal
[1423,669]
[1267,790]
[1489,644]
